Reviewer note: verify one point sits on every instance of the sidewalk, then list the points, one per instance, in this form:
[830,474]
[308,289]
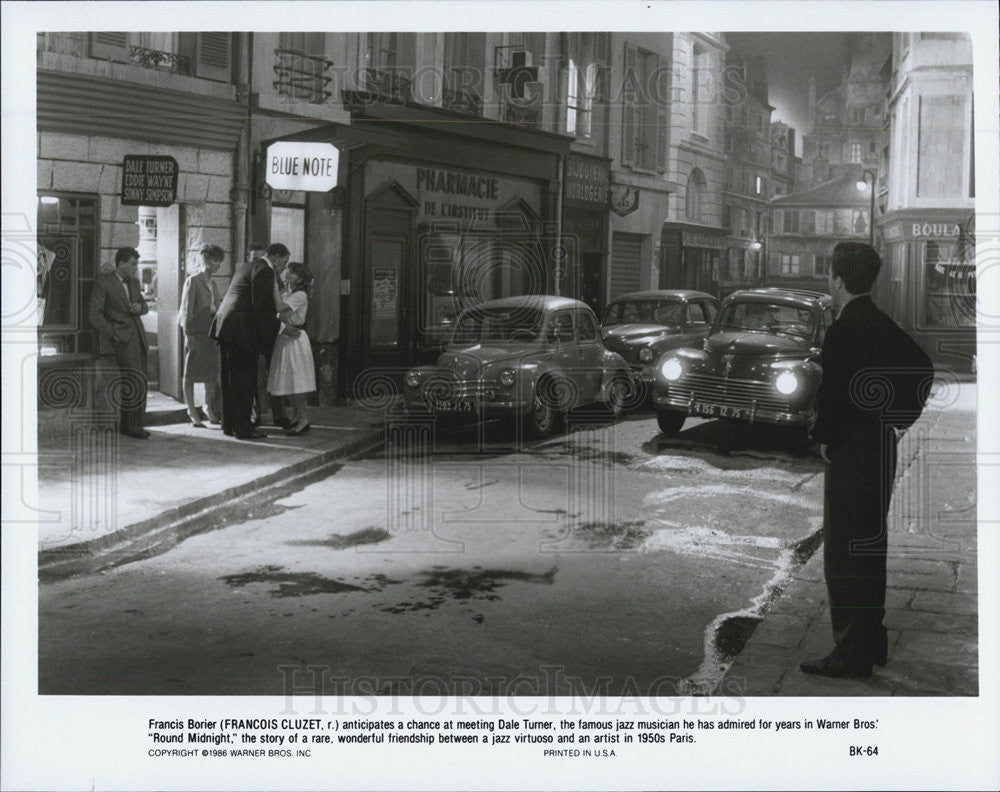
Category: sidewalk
[931,602]
[106,498]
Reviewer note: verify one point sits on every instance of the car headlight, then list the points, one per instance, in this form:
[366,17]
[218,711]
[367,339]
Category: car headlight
[672,369]
[786,383]
[508,377]
[645,354]
[412,378]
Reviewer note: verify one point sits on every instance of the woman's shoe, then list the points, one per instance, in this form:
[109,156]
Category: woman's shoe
[298,430]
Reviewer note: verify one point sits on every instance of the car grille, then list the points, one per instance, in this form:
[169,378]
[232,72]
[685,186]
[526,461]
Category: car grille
[730,392]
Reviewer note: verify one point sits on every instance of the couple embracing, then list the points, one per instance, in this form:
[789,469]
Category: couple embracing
[257,317]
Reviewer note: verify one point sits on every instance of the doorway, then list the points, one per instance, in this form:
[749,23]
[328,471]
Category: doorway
[162,252]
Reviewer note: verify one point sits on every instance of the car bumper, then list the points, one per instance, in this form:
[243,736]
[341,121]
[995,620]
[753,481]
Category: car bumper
[747,412]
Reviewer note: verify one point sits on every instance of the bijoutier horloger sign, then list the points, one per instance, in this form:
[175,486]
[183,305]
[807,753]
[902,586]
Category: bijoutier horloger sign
[311,167]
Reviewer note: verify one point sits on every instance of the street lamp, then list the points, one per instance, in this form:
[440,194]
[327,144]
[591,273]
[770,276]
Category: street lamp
[862,185]
[758,247]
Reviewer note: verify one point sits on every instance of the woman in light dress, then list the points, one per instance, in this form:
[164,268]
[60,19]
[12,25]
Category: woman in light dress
[292,370]
[201,353]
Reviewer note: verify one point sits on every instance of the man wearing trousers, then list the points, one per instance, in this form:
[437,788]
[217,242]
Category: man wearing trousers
[875,382]
[116,305]
[245,327]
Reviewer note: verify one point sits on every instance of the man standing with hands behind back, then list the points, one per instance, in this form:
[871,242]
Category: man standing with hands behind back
[875,382]
[245,326]
[116,304]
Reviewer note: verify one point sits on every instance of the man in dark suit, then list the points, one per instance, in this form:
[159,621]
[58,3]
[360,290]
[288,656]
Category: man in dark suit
[116,303]
[875,382]
[276,256]
[245,326]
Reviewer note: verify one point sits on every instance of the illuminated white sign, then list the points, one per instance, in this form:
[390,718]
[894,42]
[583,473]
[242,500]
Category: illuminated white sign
[311,167]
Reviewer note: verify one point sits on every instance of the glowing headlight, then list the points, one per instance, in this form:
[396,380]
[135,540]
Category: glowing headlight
[672,369]
[508,377]
[786,382]
[645,355]
[412,378]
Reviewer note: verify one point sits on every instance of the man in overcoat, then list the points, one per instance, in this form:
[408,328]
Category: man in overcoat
[245,326]
[116,305]
[875,382]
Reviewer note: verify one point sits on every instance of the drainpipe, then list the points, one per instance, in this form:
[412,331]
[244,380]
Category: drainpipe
[241,166]
[562,263]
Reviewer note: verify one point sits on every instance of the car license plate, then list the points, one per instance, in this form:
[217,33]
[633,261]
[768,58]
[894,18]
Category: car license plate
[459,405]
[719,410]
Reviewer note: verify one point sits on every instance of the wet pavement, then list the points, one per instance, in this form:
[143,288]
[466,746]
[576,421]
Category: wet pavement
[604,560]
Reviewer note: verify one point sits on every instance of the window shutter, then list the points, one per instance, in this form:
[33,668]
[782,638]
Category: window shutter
[602,54]
[662,98]
[629,109]
[109,46]
[214,56]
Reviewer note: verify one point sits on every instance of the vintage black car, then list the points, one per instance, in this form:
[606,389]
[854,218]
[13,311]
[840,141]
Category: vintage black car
[532,356]
[641,326]
[760,363]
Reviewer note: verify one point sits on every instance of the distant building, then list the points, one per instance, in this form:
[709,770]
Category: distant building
[845,123]
[807,225]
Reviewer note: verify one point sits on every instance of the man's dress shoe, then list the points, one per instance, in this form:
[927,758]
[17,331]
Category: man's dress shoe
[831,666]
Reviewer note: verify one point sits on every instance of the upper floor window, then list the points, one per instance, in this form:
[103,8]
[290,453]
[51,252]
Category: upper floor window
[583,67]
[644,122]
[856,151]
[695,195]
[464,67]
[700,90]
[790,221]
[758,185]
[301,71]
[380,50]
[207,55]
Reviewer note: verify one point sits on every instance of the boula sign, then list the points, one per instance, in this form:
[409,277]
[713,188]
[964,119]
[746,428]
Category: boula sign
[311,167]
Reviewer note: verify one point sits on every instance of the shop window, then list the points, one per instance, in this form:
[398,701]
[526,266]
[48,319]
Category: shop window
[789,263]
[695,195]
[950,286]
[288,226]
[67,265]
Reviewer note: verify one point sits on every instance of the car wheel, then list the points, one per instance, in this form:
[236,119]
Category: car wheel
[540,420]
[619,393]
[670,421]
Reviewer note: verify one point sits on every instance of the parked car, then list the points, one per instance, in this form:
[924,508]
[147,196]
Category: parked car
[641,326]
[760,363]
[534,356]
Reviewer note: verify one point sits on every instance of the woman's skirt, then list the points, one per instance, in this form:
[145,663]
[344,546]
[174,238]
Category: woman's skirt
[201,359]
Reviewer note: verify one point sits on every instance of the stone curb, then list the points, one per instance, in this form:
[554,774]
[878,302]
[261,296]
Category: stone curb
[158,534]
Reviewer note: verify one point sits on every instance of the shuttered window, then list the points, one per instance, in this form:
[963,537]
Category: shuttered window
[207,55]
[645,96]
[626,264]
[213,56]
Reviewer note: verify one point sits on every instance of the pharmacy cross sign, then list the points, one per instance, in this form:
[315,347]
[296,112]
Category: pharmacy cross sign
[519,74]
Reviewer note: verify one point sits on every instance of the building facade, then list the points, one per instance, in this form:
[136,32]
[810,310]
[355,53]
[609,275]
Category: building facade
[927,202]
[102,97]
[692,236]
[749,180]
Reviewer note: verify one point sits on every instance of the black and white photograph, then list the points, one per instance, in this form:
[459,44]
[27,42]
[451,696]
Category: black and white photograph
[420,390]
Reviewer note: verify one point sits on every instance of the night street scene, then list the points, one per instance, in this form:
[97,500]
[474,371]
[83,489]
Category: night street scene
[536,326]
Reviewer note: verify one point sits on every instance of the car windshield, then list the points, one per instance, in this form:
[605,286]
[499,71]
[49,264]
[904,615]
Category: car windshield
[762,317]
[498,325]
[662,312]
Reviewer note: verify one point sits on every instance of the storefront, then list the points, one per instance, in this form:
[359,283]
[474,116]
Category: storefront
[691,256]
[928,281]
[106,182]
[586,184]
[436,211]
